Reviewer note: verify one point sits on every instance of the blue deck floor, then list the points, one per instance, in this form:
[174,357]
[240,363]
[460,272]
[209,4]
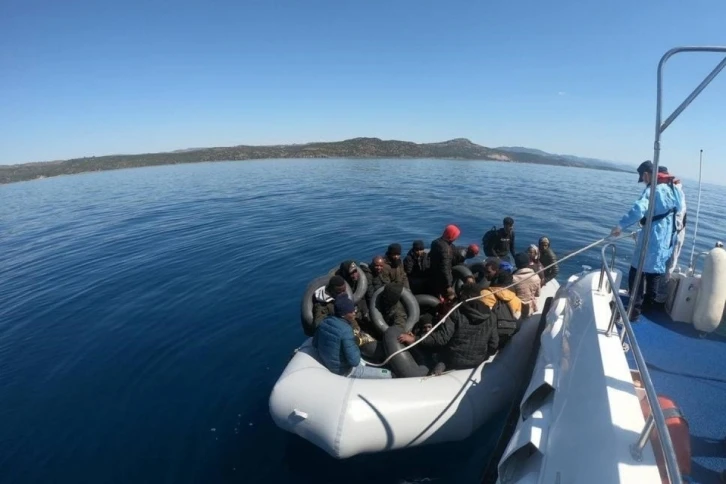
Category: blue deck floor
[691,370]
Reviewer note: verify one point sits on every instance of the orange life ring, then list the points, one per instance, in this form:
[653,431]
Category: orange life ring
[679,432]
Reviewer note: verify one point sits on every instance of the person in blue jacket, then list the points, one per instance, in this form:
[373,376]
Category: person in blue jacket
[337,346]
[668,203]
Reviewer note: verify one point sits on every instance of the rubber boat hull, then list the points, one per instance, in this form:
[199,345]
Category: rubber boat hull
[349,416]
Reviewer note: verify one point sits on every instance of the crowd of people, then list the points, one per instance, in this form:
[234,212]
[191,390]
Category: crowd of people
[495,294]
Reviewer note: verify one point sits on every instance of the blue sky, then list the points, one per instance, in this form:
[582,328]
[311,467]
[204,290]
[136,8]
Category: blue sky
[95,77]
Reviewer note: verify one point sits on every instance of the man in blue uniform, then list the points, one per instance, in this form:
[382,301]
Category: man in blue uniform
[668,203]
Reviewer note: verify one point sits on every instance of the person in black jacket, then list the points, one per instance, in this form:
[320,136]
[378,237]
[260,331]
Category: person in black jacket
[416,267]
[441,257]
[501,243]
[547,257]
[467,338]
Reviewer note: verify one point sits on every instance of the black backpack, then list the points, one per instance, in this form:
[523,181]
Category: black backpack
[507,324]
[489,241]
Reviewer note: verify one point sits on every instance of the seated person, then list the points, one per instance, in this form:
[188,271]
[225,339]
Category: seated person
[416,266]
[424,325]
[534,263]
[482,284]
[467,338]
[426,356]
[336,344]
[376,278]
[461,254]
[506,266]
[324,298]
[389,304]
[507,307]
[528,284]
[547,258]
[348,270]
[394,267]
[492,295]
[496,276]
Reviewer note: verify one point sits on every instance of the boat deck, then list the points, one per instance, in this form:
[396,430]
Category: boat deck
[690,369]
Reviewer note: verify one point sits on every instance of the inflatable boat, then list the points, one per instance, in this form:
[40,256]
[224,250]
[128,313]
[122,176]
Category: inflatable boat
[348,416]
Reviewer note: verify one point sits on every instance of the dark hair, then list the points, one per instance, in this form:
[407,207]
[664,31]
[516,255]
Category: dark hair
[394,249]
[469,290]
[508,221]
[492,262]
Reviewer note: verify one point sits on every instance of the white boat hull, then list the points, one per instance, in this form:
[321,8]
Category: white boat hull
[581,412]
[348,416]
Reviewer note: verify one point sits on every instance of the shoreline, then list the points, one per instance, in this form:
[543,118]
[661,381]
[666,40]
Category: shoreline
[358,148]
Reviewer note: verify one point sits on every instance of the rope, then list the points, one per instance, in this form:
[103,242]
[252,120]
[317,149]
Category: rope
[456,306]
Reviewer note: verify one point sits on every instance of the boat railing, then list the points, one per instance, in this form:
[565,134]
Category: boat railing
[656,417]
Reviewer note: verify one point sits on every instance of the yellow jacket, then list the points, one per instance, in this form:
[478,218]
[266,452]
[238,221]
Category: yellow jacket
[490,298]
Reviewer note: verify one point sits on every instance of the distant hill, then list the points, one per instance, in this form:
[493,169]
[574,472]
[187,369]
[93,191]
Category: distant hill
[457,149]
[593,162]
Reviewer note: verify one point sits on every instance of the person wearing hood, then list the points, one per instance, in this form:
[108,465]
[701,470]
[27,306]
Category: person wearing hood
[394,267]
[547,258]
[324,299]
[441,258]
[416,266]
[668,202]
[389,304]
[527,284]
[348,270]
[467,338]
[534,262]
[375,273]
[335,342]
[462,254]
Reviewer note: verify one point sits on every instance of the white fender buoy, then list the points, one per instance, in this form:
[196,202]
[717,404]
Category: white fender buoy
[712,295]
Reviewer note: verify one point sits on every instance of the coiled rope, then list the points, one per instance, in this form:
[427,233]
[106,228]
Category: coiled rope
[456,306]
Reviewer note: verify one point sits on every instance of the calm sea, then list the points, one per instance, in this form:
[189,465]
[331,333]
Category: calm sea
[145,314]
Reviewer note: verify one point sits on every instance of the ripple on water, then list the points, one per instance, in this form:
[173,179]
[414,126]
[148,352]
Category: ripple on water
[140,308]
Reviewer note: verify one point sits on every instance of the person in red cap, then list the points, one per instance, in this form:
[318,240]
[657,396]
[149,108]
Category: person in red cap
[441,258]
[461,254]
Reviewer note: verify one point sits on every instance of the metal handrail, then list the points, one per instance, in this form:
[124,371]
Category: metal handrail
[660,127]
[656,413]
[602,269]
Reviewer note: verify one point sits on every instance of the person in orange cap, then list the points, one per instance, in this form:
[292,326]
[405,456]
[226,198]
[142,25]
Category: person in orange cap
[441,257]
[461,254]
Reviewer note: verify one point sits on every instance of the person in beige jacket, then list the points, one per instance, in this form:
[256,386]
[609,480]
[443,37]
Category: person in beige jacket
[527,284]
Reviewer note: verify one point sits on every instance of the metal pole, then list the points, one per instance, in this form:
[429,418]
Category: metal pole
[671,465]
[656,412]
[645,234]
[715,72]
[636,450]
[691,266]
